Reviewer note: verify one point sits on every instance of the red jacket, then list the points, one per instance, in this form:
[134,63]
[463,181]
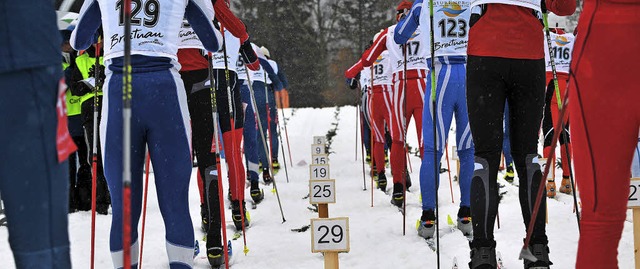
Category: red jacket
[230,21]
[370,56]
[191,59]
[509,31]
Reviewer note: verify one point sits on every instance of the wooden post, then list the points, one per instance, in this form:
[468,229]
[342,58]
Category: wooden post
[636,236]
[634,203]
[331,260]
[323,211]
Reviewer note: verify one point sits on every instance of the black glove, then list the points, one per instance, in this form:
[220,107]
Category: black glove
[353,82]
[80,88]
[101,75]
[249,56]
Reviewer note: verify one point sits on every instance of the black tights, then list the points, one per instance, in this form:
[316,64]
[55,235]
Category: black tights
[490,82]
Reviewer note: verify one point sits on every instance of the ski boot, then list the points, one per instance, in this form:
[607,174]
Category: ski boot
[541,252]
[483,257]
[464,221]
[551,189]
[215,256]
[386,158]
[397,198]
[509,175]
[237,217]
[368,158]
[382,182]
[426,224]
[566,185]
[256,193]
[275,165]
[266,177]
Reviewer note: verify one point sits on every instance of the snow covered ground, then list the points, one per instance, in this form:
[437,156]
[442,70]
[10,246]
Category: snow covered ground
[376,232]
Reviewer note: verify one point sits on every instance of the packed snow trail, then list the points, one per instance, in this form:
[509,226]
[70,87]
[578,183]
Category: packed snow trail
[376,233]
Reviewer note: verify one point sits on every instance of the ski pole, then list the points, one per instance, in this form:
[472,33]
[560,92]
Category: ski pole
[404,141]
[232,116]
[268,113]
[286,135]
[357,116]
[94,152]
[565,141]
[144,206]
[364,115]
[525,253]
[435,130]
[284,158]
[408,159]
[126,114]
[216,148]
[446,151]
[264,140]
[364,178]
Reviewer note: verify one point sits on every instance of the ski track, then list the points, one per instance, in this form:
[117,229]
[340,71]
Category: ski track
[376,233]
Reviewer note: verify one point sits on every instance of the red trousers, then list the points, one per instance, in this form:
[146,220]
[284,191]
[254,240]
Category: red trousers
[605,118]
[406,104]
[553,106]
[379,103]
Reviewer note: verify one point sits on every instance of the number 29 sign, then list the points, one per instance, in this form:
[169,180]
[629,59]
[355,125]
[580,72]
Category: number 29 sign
[330,235]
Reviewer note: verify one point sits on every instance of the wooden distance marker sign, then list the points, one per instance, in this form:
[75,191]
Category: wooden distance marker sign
[322,191]
[634,204]
[319,140]
[320,159]
[317,149]
[331,236]
[318,171]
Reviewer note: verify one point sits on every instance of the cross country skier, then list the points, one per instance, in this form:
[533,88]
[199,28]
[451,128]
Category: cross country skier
[35,141]
[562,46]
[159,113]
[449,67]
[513,70]
[405,104]
[195,75]
[378,107]
[259,90]
[605,118]
[251,141]
[83,83]
[273,109]
[363,80]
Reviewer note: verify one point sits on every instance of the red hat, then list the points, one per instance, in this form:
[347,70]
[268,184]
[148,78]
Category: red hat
[404,5]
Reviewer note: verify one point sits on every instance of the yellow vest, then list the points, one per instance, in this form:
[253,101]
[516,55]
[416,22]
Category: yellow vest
[84,62]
